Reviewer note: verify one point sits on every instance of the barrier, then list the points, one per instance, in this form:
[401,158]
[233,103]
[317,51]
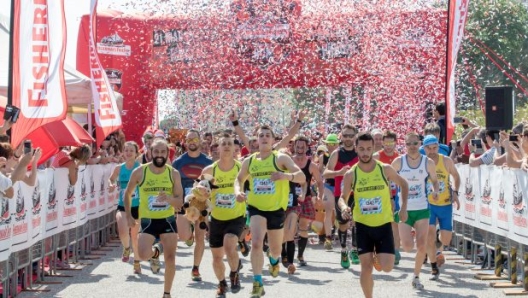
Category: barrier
[54,216]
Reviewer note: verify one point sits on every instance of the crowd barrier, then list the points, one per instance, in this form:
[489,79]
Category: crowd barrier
[494,215]
[53,216]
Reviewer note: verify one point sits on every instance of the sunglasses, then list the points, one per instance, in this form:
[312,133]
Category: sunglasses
[389,143]
[350,136]
[148,137]
[412,143]
[193,140]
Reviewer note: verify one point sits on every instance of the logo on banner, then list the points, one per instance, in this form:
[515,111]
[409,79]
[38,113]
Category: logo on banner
[83,189]
[263,31]
[20,214]
[486,193]
[52,196]
[5,215]
[70,196]
[518,203]
[102,189]
[92,187]
[469,190]
[114,78]
[35,198]
[113,45]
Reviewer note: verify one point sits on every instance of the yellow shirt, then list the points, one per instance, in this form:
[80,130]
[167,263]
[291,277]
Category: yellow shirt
[149,188]
[225,205]
[372,195]
[266,195]
[444,191]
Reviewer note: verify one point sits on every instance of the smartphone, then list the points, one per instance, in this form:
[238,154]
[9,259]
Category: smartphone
[514,138]
[477,143]
[27,147]
[458,120]
[11,113]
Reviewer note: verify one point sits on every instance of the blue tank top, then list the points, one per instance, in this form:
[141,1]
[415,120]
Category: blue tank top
[124,177]
[190,169]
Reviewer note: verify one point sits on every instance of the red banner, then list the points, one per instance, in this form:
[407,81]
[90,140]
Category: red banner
[457,20]
[107,116]
[38,68]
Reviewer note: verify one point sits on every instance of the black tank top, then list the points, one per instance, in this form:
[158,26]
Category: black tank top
[306,171]
[326,158]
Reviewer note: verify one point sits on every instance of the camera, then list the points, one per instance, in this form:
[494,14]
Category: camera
[514,138]
[11,113]
[477,143]
[458,120]
[27,147]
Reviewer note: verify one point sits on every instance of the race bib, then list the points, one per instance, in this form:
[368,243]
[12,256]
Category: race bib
[370,206]
[263,186]
[155,205]
[225,200]
[290,200]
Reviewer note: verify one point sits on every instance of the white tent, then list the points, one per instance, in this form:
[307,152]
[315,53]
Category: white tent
[78,89]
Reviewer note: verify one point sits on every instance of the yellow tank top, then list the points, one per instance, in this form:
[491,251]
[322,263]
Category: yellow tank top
[225,205]
[444,193]
[266,195]
[149,188]
[372,195]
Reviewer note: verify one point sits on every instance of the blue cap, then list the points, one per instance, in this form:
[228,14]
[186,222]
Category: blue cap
[430,140]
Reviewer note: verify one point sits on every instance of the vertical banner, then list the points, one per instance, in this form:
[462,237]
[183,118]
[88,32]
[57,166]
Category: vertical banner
[100,190]
[81,192]
[107,116]
[37,211]
[485,210]
[21,205]
[51,226]
[470,192]
[65,199]
[39,48]
[111,197]
[6,227]
[91,179]
[519,204]
[501,218]
[458,10]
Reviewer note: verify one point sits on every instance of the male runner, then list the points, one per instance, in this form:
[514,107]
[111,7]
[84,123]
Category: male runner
[329,202]
[190,166]
[441,209]
[369,180]
[416,168]
[160,193]
[227,216]
[341,161]
[269,173]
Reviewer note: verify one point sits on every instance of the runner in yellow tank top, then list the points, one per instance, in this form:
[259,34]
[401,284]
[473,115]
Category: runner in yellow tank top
[268,173]
[373,210]
[441,211]
[160,192]
[227,216]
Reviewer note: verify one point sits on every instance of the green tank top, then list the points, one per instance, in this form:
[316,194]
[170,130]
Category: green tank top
[149,188]
[266,195]
[225,205]
[372,195]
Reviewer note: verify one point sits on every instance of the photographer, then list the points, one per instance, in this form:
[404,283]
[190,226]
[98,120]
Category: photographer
[516,146]
[488,144]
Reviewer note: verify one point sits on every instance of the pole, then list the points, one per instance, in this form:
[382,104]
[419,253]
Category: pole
[10,59]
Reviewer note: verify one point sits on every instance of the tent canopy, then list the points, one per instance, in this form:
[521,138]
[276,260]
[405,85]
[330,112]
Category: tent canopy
[78,89]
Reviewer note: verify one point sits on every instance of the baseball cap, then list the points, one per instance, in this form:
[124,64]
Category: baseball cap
[430,140]
[332,139]
[322,148]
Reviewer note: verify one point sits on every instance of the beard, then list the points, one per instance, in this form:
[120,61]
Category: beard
[192,148]
[159,162]
[365,159]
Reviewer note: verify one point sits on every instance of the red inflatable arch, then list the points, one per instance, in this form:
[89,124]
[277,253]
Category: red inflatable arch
[394,56]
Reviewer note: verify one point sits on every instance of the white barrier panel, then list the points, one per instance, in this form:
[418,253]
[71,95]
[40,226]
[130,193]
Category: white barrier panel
[53,206]
[495,200]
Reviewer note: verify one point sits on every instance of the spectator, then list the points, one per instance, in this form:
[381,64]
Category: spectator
[72,160]
[434,129]
[439,116]
[489,144]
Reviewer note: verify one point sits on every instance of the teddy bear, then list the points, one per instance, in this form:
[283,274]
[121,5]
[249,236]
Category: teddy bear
[197,204]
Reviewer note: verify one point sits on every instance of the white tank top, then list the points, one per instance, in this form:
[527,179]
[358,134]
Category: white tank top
[417,180]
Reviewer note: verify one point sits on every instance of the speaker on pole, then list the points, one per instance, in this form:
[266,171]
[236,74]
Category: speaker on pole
[499,108]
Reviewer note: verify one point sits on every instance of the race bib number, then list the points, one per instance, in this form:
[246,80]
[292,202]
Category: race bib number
[155,205]
[298,190]
[263,186]
[290,200]
[225,200]
[370,206]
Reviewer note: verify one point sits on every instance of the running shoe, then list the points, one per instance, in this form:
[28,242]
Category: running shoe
[345,262]
[244,248]
[291,269]
[155,265]
[285,262]
[125,257]
[195,275]
[328,244]
[354,257]
[435,274]
[397,257]
[258,290]
[221,290]
[376,262]
[189,242]
[167,296]
[274,270]
[159,247]
[137,267]
[302,262]
[235,283]
[417,284]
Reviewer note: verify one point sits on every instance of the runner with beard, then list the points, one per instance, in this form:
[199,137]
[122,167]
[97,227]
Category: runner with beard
[369,180]
[190,166]
[227,216]
[269,173]
[329,202]
[160,193]
[416,169]
[341,161]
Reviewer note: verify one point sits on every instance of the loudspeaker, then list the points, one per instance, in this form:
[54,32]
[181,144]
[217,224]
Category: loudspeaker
[499,108]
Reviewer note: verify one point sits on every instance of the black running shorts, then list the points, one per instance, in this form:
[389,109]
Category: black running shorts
[133,210]
[219,228]
[274,219]
[370,239]
[156,227]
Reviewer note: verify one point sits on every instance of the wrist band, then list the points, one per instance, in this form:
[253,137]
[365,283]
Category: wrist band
[299,120]
[235,123]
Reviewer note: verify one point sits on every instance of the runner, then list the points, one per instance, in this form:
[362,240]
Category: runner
[416,168]
[340,162]
[387,155]
[373,210]
[160,193]
[121,176]
[268,172]
[227,216]
[329,202]
[441,209]
[377,134]
[190,166]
